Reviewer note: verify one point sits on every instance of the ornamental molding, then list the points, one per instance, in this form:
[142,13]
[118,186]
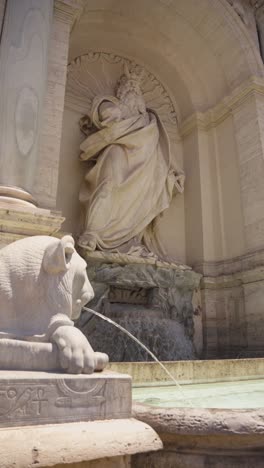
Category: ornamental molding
[211,118]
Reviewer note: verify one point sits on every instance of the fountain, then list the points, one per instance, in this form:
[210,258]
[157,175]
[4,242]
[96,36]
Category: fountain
[156,87]
[207,412]
[152,297]
[202,408]
[222,426]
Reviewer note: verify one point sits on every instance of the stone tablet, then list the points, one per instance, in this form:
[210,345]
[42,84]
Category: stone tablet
[29,398]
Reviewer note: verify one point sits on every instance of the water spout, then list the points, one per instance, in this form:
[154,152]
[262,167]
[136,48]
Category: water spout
[112,322]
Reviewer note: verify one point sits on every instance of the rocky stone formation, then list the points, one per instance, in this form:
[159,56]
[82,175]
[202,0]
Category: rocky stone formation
[153,303]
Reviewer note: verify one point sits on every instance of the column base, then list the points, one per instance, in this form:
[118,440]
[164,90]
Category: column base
[12,195]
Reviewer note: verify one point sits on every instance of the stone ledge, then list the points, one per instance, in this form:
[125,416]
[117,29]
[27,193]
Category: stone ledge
[230,266]
[232,272]
[205,121]
[45,446]
[186,372]
[117,258]
[18,222]
[201,421]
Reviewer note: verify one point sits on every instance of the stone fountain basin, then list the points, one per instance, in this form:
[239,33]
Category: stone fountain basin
[240,394]
[224,426]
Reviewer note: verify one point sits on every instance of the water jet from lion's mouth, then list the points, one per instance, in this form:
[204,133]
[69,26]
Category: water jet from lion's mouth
[112,322]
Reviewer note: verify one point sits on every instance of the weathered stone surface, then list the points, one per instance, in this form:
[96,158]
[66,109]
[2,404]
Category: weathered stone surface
[165,338]
[170,459]
[153,303]
[143,276]
[50,445]
[201,421]
[33,398]
[203,437]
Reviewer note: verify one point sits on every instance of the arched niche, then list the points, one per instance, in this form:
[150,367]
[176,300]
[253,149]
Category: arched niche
[201,52]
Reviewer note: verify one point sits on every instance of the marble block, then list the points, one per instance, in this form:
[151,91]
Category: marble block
[32,398]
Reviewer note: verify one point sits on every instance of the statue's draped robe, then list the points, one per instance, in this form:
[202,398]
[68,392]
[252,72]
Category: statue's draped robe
[131,181]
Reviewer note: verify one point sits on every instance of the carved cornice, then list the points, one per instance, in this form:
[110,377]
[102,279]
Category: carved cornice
[232,272]
[205,121]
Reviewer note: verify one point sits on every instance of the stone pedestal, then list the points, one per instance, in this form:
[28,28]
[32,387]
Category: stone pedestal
[153,300]
[32,398]
[94,413]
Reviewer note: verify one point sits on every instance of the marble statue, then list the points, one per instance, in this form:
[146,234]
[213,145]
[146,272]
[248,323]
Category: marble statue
[130,179]
[43,287]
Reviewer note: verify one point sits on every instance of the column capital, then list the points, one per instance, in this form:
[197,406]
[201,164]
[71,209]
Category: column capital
[69,11]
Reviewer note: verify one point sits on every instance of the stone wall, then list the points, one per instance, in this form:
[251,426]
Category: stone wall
[232,304]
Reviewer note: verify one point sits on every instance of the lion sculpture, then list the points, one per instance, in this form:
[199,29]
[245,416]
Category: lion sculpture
[43,287]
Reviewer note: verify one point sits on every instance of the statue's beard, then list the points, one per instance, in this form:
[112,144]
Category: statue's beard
[131,103]
[130,100]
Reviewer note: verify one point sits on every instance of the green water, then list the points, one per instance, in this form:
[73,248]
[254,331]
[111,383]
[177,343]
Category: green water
[238,394]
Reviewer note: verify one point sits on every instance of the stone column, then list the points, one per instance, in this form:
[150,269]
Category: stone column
[23,73]
[33,64]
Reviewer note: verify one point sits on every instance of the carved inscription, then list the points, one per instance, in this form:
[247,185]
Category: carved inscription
[29,401]
[83,399]
[40,400]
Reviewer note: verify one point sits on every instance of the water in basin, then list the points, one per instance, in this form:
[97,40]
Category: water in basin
[237,394]
[231,394]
